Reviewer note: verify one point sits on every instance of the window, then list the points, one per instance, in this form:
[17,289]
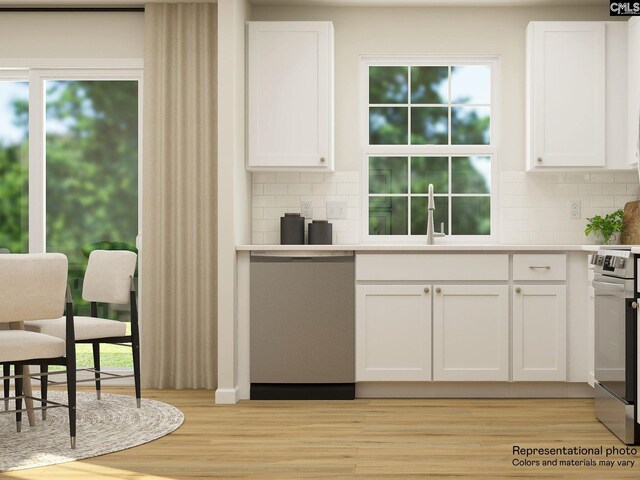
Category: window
[430,120]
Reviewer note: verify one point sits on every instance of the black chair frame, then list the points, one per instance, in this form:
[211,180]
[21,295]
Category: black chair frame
[132,341]
[69,361]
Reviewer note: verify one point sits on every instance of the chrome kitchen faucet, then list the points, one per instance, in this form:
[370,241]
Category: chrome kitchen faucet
[430,209]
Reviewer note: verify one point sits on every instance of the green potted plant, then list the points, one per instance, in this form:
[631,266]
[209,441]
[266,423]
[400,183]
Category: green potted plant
[606,229]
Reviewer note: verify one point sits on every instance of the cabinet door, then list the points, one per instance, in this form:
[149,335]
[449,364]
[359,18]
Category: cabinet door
[539,333]
[633,49]
[290,95]
[567,94]
[393,333]
[471,333]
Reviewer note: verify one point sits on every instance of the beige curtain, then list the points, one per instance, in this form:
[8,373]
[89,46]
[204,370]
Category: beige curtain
[179,226]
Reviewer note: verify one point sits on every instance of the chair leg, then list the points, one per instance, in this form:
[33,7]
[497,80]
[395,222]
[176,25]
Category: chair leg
[6,371]
[44,389]
[71,401]
[96,366]
[18,389]
[135,344]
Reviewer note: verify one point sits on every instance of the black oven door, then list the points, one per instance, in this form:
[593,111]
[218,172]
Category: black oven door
[615,335]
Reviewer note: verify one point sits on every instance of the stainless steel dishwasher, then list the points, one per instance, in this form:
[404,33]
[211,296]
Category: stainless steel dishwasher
[302,326]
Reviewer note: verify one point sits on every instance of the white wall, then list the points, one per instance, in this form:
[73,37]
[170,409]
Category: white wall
[533,208]
[71,35]
[234,201]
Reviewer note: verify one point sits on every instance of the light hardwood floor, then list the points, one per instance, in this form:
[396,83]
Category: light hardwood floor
[366,439]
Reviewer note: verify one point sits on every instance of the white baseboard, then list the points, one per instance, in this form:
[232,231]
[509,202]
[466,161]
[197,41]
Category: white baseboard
[227,396]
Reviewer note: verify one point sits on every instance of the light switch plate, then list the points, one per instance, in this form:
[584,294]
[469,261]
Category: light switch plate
[336,210]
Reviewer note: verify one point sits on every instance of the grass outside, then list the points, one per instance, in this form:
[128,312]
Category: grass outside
[110,355]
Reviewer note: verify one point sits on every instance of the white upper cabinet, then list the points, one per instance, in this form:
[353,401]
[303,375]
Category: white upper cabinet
[633,133]
[566,87]
[290,96]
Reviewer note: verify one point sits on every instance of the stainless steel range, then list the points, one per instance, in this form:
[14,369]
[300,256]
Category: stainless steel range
[616,343]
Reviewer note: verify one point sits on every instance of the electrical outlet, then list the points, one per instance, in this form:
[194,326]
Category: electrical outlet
[305,209]
[336,210]
[575,209]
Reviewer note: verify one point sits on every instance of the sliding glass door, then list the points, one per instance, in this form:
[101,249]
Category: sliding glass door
[69,171]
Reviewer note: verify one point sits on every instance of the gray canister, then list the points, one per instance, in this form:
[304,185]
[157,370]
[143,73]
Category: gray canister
[292,229]
[320,233]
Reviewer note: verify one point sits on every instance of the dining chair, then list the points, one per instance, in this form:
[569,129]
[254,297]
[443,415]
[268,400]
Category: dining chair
[107,280]
[34,287]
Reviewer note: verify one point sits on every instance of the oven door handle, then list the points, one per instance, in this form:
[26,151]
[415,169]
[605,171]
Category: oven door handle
[615,287]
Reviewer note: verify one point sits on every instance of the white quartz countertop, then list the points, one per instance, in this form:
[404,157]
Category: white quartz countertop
[423,248]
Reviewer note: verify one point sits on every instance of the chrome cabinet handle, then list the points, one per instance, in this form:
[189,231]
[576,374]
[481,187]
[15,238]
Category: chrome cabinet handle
[518,290]
[539,159]
[634,305]
[426,289]
[322,160]
[438,290]
[545,267]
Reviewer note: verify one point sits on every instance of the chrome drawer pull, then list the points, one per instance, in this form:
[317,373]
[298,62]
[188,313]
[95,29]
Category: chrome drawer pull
[546,267]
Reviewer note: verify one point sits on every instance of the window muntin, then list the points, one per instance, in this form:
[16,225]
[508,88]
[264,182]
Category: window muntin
[430,120]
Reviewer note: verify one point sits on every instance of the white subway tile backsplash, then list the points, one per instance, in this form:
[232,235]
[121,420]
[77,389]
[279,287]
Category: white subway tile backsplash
[312,177]
[578,178]
[257,213]
[614,189]
[627,177]
[264,201]
[299,189]
[515,189]
[565,238]
[287,177]
[292,201]
[602,201]
[324,188]
[590,189]
[534,207]
[603,177]
[342,177]
[257,238]
[541,237]
[348,188]
[263,178]
[565,189]
[516,237]
[275,189]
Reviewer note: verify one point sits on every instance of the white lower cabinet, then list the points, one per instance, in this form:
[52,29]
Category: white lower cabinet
[393,333]
[539,333]
[471,333]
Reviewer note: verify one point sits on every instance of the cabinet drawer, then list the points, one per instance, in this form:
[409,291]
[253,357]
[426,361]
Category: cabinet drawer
[539,267]
[431,266]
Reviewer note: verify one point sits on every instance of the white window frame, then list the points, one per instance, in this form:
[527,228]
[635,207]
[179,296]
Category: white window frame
[491,150]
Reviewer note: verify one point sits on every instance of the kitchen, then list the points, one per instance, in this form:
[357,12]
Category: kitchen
[503,308]
[382,238]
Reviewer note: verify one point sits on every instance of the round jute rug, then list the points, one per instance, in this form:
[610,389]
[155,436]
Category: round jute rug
[104,426]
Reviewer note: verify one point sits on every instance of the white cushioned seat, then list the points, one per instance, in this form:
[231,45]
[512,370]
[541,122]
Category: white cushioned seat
[18,345]
[86,328]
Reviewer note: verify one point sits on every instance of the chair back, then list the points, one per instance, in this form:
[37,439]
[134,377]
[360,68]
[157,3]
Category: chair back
[108,276]
[32,286]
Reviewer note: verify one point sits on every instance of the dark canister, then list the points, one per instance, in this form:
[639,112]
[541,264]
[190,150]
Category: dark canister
[292,229]
[320,233]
